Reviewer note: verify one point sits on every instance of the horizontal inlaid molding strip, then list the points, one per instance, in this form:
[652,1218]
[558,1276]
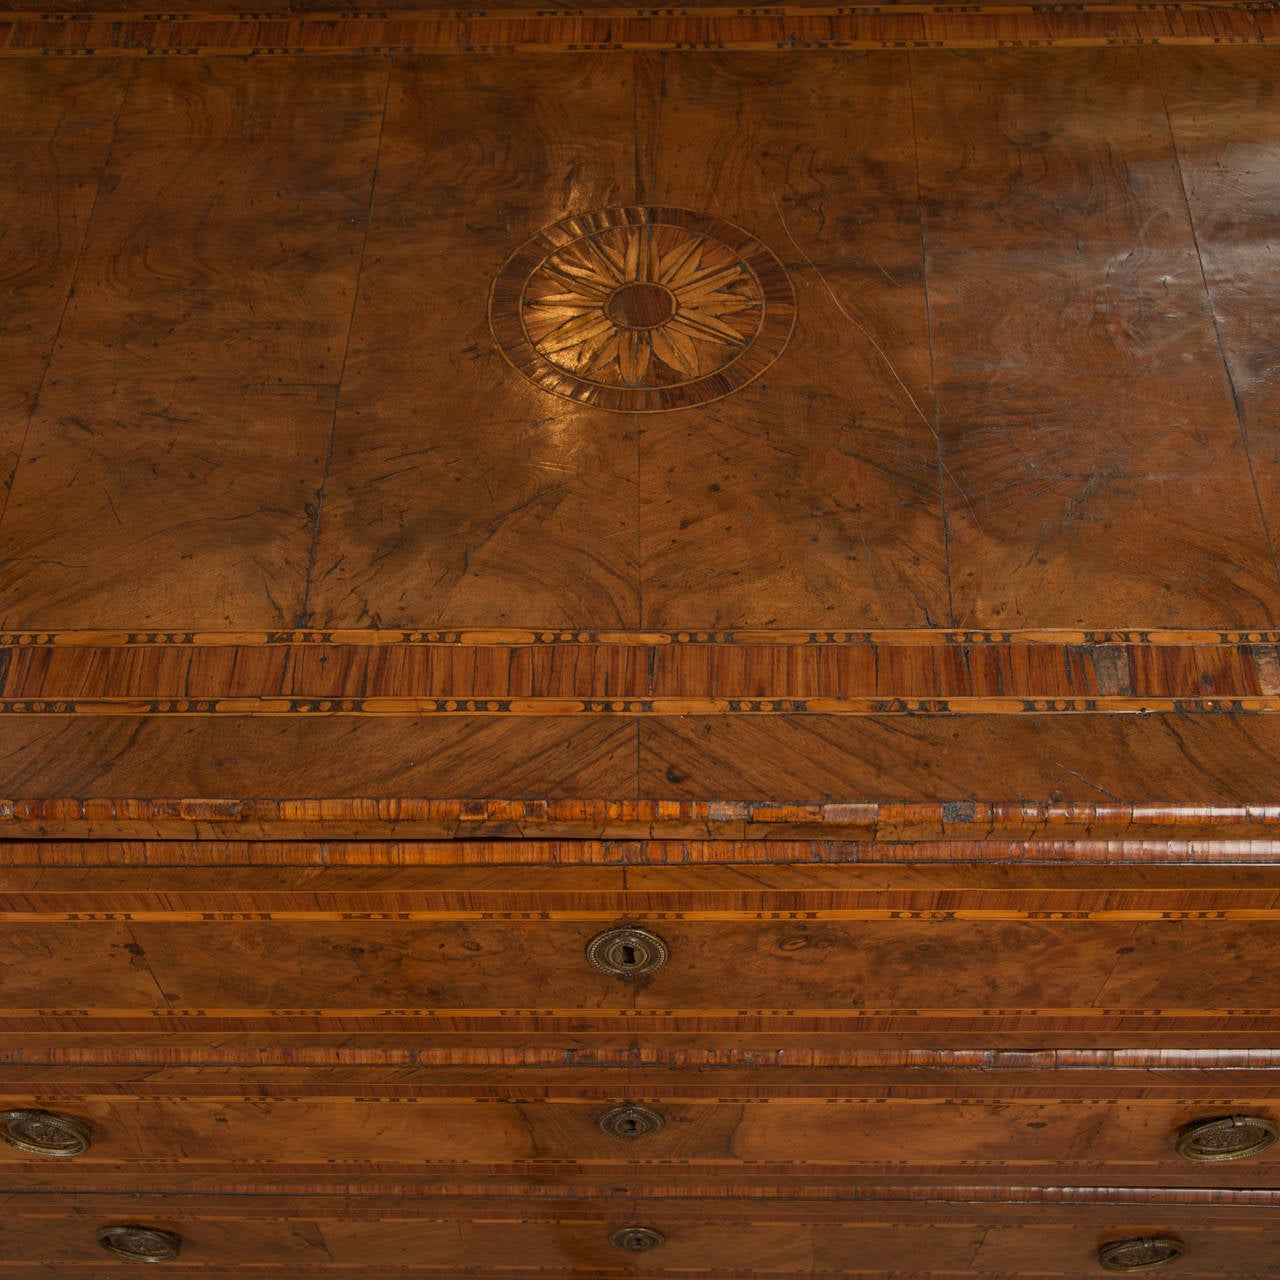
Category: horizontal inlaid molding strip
[575,852]
[558,707]
[381,1018]
[391,1201]
[726,819]
[788,28]
[278,1056]
[548,915]
[636,674]
[788,637]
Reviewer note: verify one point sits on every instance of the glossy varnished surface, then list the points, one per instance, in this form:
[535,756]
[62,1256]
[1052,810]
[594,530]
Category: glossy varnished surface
[982,420]
[938,1233]
[75,27]
[813,500]
[1022,419]
[836,958]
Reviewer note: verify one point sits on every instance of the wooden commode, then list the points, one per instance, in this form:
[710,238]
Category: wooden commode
[640,642]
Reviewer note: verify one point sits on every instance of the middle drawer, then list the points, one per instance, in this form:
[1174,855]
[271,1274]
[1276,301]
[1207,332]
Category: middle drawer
[1098,1140]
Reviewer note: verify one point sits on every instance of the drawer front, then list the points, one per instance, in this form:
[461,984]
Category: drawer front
[902,1138]
[688,1238]
[953,955]
[987,977]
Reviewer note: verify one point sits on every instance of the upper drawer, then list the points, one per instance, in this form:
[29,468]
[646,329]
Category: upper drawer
[987,978]
[972,955]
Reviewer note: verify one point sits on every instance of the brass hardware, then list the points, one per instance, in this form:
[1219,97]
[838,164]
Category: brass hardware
[1142,1253]
[627,952]
[630,1121]
[1226,1138]
[637,1239]
[140,1244]
[45,1134]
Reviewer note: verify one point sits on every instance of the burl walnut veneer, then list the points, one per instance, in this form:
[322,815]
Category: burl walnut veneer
[640,642]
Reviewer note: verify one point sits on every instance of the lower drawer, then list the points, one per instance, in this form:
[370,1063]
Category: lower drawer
[942,1234]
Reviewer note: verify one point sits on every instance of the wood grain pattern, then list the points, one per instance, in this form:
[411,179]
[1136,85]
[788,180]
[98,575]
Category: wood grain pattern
[392,756]
[779,1238]
[947,778]
[1057,830]
[189,1066]
[632,674]
[795,501]
[154,1141]
[1082,396]
[74,29]
[54,136]
[457,492]
[567,530]
[1080,759]
[192,390]
[1119,965]
[272,859]
[1222,116]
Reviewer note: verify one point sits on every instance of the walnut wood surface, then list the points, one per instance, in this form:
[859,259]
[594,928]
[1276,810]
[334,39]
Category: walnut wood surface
[828,147]
[287,289]
[156,1142]
[75,27]
[922,693]
[369,290]
[778,1239]
[49,170]
[1204,120]
[637,672]
[1026,295]
[191,391]
[494,507]
[1120,960]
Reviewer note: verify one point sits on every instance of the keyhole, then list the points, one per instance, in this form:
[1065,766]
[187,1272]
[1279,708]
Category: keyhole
[629,1122]
[627,951]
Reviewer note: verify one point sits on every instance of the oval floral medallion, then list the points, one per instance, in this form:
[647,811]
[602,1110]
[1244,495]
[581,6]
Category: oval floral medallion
[642,308]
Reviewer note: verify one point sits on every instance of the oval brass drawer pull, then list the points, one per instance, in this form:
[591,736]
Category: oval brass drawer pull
[637,1239]
[44,1133]
[1226,1138]
[140,1244]
[1142,1253]
[627,952]
[629,1121]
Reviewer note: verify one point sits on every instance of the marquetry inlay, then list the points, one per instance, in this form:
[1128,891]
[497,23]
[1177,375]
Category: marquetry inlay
[1038,24]
[641,309]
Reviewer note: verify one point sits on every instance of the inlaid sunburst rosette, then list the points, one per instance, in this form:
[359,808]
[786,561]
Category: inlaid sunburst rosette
[641,308]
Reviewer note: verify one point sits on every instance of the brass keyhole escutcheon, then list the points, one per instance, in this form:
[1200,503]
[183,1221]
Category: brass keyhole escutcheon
[43,1133]
[637,1239]
[1226,1138]
[1141,1253]
[627,952]
[139,1244]
[630,1121]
